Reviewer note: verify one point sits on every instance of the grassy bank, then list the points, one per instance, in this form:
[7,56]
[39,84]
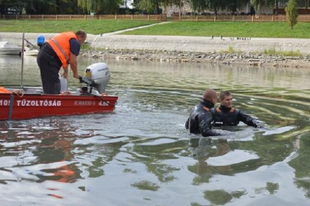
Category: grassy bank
[227,29]
[48,26]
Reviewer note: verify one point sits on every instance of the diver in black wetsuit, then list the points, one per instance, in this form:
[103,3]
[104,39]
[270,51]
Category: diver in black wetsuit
[226,115]
[200,118]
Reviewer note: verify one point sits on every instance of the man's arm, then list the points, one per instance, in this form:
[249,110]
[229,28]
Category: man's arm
[205,125]
[74,65]
[250,121]
[75,50]
[187,124]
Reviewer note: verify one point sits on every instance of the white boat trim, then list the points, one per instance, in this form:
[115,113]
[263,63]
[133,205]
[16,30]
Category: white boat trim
[9,49]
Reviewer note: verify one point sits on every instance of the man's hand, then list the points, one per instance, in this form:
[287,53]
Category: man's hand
[65,74]
[259,124]
[76,75]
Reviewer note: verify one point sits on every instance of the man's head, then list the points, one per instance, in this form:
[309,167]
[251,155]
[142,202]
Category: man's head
[210,95]
[81,36]
[226,99]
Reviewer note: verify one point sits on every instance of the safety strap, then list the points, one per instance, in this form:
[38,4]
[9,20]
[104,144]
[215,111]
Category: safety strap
[205,108]
[60,48]
[219,110]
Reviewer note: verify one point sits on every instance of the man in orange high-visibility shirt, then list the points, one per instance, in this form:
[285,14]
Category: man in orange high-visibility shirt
[57,52]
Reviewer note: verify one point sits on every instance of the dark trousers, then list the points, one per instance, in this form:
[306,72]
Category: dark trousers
[49,65]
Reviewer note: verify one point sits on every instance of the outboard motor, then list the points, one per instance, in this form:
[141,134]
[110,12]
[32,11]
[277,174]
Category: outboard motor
[97,76]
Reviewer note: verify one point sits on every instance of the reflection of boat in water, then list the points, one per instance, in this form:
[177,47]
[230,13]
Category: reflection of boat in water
[32,103]
[9,49]
[31,51]
[8,59]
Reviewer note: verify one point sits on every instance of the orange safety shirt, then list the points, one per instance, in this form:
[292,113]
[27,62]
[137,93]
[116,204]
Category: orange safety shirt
[61,45]
[4,90]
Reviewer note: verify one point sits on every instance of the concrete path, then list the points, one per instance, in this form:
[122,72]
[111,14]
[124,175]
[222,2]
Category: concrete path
[200,44]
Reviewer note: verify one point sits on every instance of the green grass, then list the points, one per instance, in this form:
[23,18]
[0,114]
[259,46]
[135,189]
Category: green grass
[226,29]
[53,26]
[231,50]
[274,52]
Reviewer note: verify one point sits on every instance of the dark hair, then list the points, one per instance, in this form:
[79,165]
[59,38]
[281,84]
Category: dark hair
[81,33]
[224,94]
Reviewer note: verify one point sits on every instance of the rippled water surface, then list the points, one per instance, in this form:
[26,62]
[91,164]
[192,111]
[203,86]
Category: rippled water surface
[142,155]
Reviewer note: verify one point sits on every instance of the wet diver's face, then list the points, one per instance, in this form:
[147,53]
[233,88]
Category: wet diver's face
[227,101]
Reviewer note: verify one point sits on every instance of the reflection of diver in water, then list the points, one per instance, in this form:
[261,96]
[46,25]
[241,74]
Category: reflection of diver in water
[55,150]
[202,148]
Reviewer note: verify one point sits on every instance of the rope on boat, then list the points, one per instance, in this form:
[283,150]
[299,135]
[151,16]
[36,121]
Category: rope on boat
[19,93]
[65,93]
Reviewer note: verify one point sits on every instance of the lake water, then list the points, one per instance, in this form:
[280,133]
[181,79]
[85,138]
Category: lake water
[141,154]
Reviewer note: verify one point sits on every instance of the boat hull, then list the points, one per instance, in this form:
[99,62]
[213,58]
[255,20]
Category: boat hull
[10,51]
[31,53]
[28,106]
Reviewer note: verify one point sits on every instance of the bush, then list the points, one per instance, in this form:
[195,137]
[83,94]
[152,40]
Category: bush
[291,13]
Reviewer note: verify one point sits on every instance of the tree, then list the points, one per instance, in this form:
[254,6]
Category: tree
[14,5]
[233,5]
[147,6]
[85,5]
[216,5]
[100,6]
[151,6]
[274,4]
[199,5]
[167,3]
[291,13]
[50,6]
[107,6]
[258,3]
[4,5]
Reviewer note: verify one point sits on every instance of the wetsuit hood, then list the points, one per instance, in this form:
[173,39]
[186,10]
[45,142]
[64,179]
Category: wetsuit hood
[207,104]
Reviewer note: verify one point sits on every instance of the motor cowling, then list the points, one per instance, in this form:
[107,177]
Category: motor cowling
[99,74]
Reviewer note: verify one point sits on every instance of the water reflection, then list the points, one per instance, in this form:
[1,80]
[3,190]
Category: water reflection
[230,158]
[49,144]
[142,150]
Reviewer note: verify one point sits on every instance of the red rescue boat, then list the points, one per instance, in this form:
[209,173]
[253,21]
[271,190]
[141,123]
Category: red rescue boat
[16,107]
[32,103]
